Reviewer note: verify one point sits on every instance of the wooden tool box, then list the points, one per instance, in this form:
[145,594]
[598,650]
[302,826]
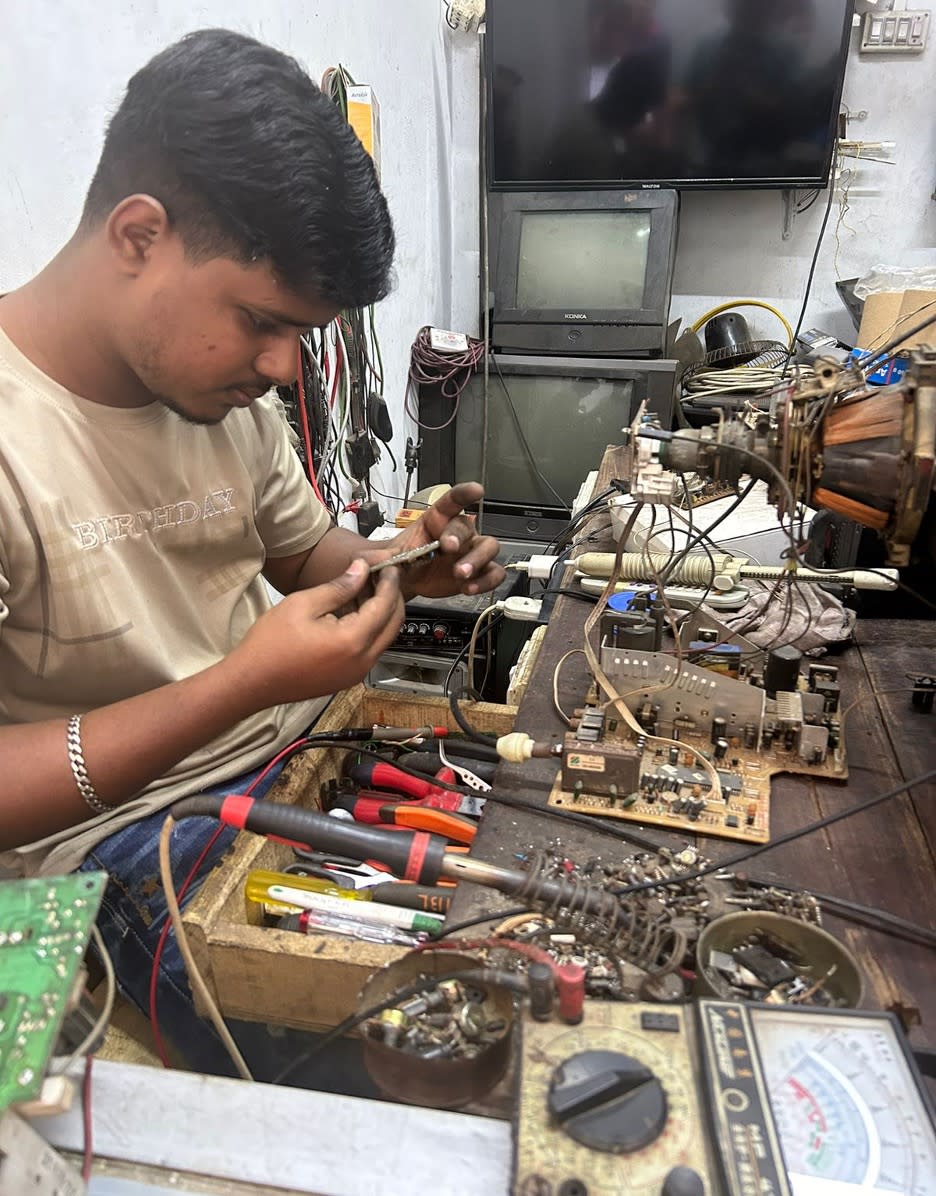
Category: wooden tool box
[306,981]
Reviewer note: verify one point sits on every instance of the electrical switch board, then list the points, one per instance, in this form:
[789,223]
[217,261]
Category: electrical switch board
[45,925]
[902,32]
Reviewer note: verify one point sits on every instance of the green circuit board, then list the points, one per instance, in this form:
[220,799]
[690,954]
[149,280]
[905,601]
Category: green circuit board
[45,925]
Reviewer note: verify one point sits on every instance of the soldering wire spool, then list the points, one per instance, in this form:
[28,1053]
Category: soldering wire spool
[442,1083]
[809,947]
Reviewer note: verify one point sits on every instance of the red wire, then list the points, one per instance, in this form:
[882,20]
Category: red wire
[339,362]
[306,432]
[160,946]
[86,1120]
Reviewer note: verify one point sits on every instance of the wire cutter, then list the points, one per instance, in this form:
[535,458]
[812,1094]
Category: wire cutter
[414,814]
[386,776]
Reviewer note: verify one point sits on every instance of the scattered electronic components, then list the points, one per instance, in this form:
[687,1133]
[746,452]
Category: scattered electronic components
[763,969]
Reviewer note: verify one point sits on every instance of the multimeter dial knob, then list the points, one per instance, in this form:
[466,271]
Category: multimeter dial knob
[608,1101]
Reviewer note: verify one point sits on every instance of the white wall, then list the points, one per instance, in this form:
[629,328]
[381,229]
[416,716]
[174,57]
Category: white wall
[63,64]
[730,244]
[63,67]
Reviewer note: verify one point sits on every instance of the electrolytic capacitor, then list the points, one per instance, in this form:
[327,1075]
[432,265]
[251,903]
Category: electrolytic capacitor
[542,990]
[721,749]
[750,735]
[674,755]
[782,671]
[719,729]
[570,990]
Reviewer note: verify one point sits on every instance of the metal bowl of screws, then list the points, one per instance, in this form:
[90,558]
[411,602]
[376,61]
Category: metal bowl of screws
[447,1042]
[773,958]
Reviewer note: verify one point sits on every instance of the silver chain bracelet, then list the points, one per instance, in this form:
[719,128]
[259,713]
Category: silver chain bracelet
[79,771]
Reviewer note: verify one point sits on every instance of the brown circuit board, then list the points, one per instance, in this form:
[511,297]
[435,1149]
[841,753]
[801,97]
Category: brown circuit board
[745,778]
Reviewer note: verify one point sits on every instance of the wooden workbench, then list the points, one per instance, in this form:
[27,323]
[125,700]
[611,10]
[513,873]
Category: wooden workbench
[884,857]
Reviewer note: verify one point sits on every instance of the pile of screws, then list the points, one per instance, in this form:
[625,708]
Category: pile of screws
[763,969]
[794,903]
[450,1020]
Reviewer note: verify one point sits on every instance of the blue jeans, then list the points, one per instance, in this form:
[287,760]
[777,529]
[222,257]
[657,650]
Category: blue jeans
[131,919]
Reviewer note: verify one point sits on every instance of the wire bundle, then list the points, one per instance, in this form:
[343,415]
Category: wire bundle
[451,372]
[339,376]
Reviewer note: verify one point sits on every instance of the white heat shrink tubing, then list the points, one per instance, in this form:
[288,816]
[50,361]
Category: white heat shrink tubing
[697,570]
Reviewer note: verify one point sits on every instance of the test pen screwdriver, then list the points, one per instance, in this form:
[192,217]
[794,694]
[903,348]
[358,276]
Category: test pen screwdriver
[407,557]
[308,922]
[388,892]
[385,915]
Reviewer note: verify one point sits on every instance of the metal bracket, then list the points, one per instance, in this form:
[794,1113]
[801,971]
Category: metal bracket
[788,195]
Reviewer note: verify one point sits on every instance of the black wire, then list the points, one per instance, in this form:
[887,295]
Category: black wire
[707,534]
[518,427]
[497,916]
[580,594]
[854,911]
[461,718]
[789,837]
[815,257]
[485,631]
[869,362]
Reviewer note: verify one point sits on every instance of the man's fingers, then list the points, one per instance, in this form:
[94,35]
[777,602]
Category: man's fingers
[482,552]
[380,613]
[487,579]
[333,595]
[449,506]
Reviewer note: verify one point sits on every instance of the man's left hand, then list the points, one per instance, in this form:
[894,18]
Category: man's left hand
[464,562]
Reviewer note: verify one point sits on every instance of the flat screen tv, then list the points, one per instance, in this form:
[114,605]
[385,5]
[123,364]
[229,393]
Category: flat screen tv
[663,93]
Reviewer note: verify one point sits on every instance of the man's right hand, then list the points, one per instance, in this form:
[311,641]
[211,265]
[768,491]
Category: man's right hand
[306,648]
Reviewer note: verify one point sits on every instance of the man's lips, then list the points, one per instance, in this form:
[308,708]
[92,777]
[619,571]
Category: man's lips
[244,396]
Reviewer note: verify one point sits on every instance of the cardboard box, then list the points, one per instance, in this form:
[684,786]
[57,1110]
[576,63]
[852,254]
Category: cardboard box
[887,312]
[310,982]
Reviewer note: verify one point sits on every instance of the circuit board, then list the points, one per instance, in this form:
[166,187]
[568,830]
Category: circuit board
[44,929]
[745,779]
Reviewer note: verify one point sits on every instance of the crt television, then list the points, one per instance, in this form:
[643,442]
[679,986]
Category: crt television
[673,93]
[549,421]
[582,272]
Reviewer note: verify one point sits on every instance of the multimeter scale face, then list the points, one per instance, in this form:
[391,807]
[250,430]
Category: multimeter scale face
[846,1105]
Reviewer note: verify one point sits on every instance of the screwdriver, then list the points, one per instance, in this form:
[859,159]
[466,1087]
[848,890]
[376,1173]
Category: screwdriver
[412,814]
[385,915]
[430,898]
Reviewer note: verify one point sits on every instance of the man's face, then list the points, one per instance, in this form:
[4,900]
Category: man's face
[205,338]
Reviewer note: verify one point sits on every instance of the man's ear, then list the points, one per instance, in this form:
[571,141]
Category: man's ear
[134,228]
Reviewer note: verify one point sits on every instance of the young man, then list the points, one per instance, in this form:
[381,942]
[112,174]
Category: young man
[147,485]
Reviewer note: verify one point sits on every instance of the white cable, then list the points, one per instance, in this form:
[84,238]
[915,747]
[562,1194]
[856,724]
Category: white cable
[107,1009]
[196,979]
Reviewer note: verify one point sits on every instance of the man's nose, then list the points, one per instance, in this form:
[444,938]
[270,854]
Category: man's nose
[279,359]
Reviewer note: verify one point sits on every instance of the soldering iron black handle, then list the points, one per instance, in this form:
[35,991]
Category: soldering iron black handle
[412,855]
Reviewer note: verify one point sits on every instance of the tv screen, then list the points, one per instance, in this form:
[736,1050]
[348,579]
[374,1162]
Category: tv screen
[583,259]
[680,93]
[544,434]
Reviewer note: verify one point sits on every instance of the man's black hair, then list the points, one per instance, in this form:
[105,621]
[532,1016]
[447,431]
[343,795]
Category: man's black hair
[253,162]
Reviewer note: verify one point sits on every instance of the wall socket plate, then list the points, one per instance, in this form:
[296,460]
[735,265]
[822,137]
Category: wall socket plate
[902,32]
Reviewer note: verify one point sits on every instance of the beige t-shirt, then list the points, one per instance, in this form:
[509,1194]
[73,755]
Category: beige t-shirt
[131,545]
